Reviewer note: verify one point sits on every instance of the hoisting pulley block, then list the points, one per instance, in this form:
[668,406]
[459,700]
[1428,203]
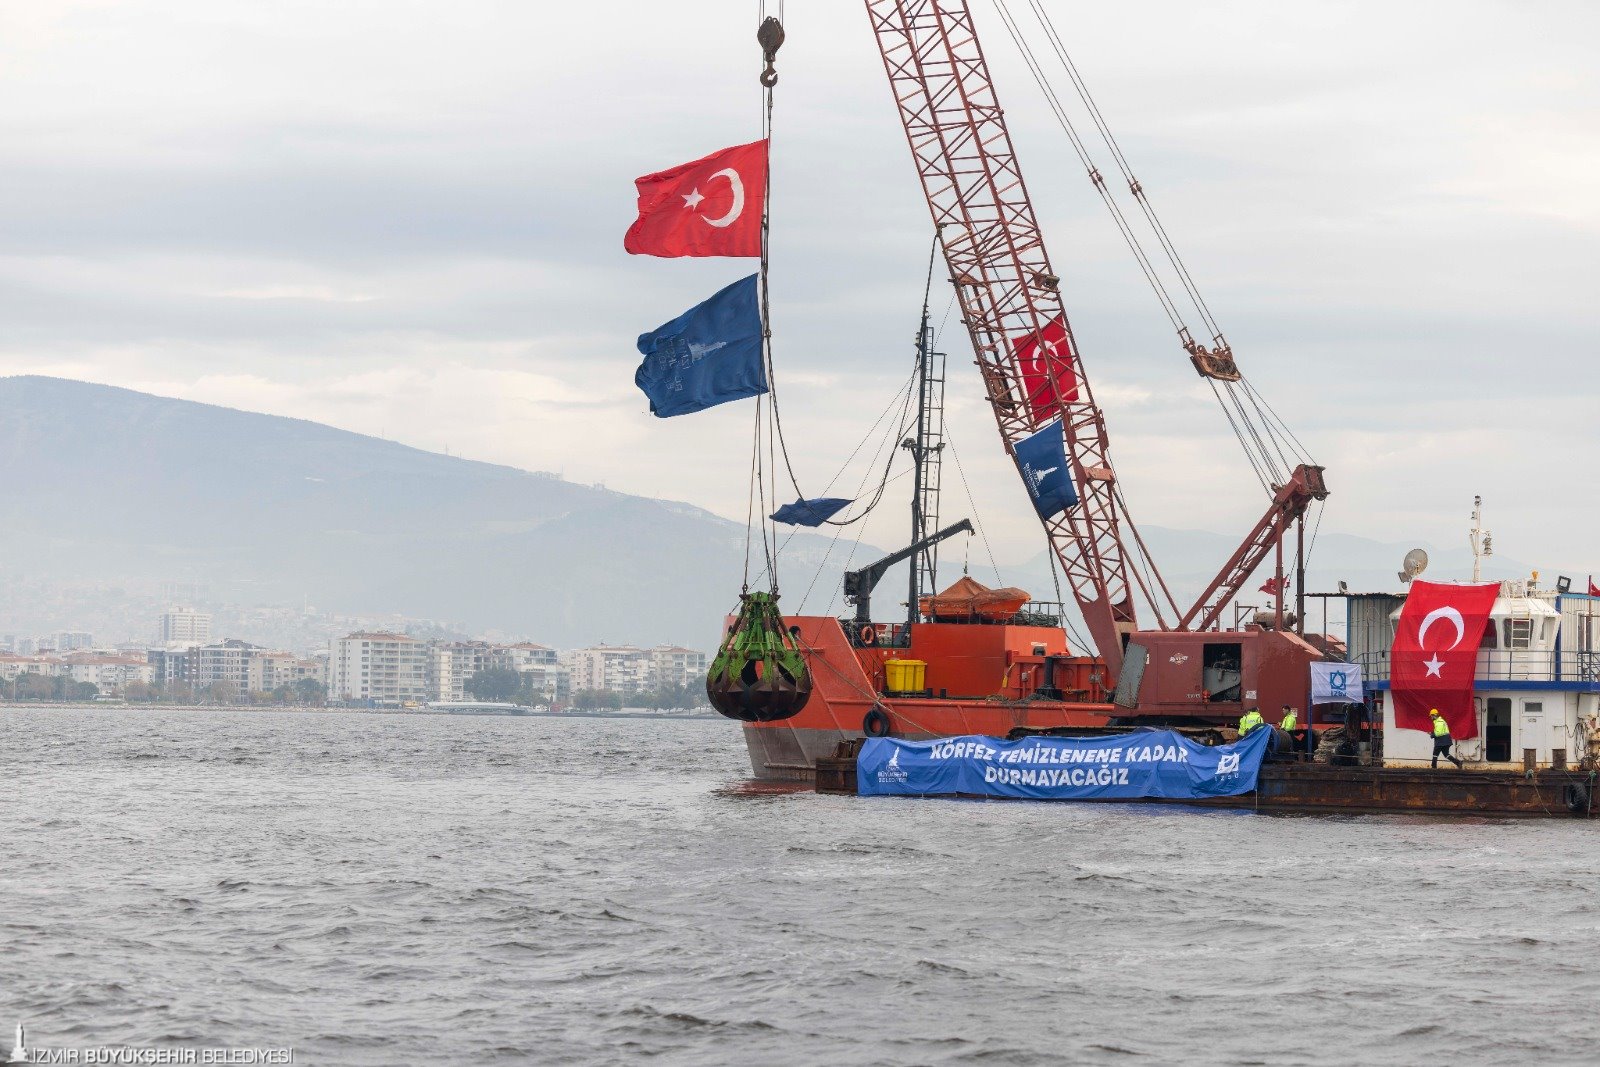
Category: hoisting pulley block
[770,38]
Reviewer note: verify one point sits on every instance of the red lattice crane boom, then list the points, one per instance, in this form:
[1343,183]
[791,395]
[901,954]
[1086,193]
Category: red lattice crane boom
[1004,281]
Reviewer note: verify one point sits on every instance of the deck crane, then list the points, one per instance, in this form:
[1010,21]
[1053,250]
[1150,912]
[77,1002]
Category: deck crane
[1008,291]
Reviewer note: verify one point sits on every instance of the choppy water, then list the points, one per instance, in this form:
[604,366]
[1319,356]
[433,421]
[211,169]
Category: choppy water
[386,889]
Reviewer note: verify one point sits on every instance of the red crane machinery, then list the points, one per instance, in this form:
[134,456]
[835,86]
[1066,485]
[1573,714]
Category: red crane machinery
[1009,293]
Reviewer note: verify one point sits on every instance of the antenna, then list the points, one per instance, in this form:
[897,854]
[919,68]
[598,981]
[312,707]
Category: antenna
[1415,563]
[1481,540]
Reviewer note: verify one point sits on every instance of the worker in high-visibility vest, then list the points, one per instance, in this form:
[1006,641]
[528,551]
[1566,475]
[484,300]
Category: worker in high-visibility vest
[1250,721]
[1442,740]
[1290,721]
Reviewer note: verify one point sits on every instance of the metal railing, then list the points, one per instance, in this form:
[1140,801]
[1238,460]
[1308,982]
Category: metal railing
[1506,665]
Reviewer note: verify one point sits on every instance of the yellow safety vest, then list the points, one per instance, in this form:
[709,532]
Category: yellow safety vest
[1250,721]
[1440,727]
[1290,721]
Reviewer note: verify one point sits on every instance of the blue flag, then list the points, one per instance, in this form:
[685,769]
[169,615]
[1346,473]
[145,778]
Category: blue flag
[709,355]
[811,512]
[1042,459]
[1144,763]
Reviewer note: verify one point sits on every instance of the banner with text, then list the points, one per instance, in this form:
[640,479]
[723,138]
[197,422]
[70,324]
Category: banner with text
[1147,763]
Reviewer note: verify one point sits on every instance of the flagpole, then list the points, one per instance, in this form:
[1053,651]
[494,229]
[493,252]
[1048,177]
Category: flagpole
[1277,618]
[1300,576]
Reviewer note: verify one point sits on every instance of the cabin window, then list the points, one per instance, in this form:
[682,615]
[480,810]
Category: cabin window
[1519,633]
[1549,637]
[1491,636]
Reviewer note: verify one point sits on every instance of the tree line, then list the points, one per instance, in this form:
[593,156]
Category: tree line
[30,686]
[502,685]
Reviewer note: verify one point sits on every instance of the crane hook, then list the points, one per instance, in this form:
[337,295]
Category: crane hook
[770,38]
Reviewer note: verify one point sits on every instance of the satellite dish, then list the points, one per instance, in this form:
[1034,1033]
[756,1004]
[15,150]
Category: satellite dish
[1415,563]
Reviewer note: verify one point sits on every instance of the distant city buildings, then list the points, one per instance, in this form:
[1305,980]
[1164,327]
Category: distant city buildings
[371,668]
[626,669]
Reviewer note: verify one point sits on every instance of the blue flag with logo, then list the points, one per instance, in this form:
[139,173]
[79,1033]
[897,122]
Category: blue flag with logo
[709,355]
[812,511]
[1042,459]
[1337,683]
[1144,763]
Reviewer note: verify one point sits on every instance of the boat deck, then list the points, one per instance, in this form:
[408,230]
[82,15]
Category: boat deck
[1320,787]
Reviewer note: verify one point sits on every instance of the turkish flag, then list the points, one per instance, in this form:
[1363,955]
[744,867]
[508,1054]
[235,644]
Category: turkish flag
[1045,360]
[1275,586]
[1594,590]
[1436,654]
[711,207]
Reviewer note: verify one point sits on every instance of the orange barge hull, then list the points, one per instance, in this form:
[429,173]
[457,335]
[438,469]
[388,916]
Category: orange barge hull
[980,679]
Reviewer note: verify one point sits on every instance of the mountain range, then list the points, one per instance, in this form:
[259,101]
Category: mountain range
[110,486]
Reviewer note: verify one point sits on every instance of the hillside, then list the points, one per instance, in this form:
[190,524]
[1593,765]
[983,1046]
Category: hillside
[107,485]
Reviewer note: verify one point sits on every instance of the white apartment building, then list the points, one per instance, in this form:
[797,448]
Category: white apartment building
[385,668]
[110,674]
[678,666]
[267,671]
[451,665]
[13,665]
[185,626]
[619,668]
[521,657]
[226,661]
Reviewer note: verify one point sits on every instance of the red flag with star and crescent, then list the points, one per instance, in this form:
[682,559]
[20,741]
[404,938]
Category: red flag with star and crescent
[1436,654]
[710,207]
[1045,360]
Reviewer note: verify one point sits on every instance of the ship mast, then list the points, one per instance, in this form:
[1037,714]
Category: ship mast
[927,450]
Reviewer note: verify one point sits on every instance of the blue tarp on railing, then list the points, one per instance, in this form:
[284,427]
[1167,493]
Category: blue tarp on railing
[1147,763]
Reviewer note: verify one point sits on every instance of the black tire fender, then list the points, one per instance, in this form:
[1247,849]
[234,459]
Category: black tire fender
[1576,796]
[876,723]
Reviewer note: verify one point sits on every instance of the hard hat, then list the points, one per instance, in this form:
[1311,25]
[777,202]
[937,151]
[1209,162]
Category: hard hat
[1433,711]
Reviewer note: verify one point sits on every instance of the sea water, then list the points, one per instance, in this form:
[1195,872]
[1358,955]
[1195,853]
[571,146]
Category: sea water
[387,889]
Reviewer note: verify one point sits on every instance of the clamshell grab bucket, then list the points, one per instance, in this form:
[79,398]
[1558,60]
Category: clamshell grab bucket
[758,674]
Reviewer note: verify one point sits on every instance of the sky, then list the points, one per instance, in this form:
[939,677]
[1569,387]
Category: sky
[405,219]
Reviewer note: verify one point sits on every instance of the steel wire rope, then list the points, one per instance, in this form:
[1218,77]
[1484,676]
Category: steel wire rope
[973,504]
[1135,187]
[861,530]
[1266,423]
[1095,176]
[1136,190]
[1238,433]
[1301,450]
[1267,462]
[871,697]
[895,430]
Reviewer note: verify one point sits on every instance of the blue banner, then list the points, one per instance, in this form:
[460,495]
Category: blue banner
[1146,763]
[1042,459]
[709,355]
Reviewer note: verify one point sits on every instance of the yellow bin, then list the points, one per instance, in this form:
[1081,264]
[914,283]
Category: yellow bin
[905,675]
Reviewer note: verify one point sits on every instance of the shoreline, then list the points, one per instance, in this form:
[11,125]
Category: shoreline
[322,709]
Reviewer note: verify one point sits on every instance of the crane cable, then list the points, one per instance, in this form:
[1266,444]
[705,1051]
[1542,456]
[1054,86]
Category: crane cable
[1265,439]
